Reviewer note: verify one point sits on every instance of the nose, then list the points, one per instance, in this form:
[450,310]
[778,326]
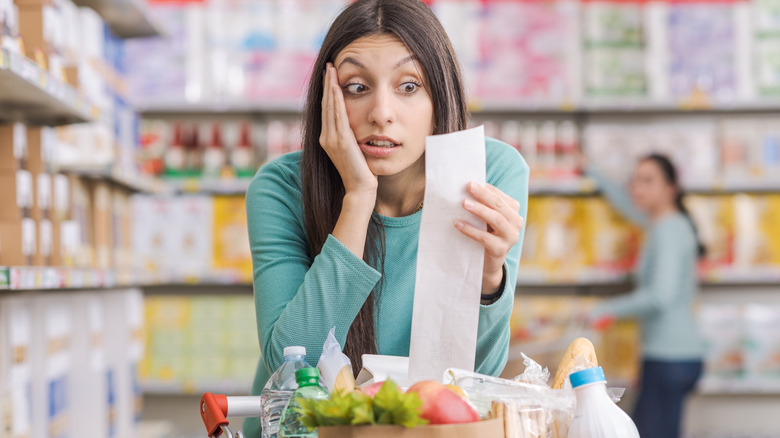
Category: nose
[382,112]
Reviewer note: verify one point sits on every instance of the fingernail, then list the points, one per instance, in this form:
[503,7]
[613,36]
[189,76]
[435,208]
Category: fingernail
[458,224]
[468,203]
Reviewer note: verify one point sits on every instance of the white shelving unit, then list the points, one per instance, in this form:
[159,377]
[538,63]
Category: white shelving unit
[30,94]
[126,18]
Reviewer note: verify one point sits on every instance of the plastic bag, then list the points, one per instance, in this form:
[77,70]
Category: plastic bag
[332,361]
[534,373]
[530,410]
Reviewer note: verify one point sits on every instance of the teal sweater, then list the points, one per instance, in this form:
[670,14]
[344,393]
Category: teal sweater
[666,282]
[298,299]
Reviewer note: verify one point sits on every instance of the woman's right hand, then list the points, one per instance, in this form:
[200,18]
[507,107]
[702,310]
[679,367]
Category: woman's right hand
[338,140]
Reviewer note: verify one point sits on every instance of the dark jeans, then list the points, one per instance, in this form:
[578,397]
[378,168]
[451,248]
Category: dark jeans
[665,384]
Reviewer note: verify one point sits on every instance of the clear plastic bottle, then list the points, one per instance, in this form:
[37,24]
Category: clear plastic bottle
[308,387]
[279,389]
[597,415]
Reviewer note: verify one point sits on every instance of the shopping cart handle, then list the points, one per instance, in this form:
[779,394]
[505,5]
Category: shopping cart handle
[213,409]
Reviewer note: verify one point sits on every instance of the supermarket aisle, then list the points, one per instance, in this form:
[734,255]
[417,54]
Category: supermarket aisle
[124,163]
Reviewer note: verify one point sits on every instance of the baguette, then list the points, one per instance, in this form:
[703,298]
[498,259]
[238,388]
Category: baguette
[580,347]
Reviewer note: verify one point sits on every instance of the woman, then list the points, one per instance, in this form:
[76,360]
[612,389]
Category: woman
[334,229]
[666,286]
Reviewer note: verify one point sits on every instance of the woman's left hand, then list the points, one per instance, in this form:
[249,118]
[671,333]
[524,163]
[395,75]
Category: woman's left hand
[501,213]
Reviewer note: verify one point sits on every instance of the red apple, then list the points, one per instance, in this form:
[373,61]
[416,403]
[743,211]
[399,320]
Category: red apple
[372,389]
[441,405]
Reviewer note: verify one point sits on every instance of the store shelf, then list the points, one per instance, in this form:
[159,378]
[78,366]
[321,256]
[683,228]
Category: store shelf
[39,278]
[580,277]
[628,105]
[30,94]
[738,387]
[126,18]
[587,187]
[226,107]
[211,186]
[733,276]
[227,387]
[133,181]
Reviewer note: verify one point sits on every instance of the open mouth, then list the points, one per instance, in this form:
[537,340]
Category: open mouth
[382,143]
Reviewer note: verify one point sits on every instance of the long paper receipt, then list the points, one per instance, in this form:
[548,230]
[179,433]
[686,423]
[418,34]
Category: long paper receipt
[449,264]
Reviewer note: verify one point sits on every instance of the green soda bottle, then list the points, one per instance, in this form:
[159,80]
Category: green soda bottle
[308,387]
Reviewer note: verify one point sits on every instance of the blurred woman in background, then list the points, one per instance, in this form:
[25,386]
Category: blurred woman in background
[662,300]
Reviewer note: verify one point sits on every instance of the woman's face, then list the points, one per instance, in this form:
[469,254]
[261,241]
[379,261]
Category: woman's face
[649,188]
[388,104]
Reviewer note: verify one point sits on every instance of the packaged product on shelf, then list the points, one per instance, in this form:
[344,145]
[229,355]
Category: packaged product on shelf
[214,156]
[60,213]
[231,239]
[41,29]
[566,149]
[715,224]
[554,236]
[190,226]
[702,44]
[166,362]
[242,155]
[102,225]
[13,147]
[121,226]
[19,242]
[767,58]
[124,350]
[756,235]
[18,195]
[53,362]
[89,380]
[615,71]
[150,235]
[613,22]
[9,24]
[82,216]
[522,53]
[612,242]
[762,351]
[16,339]
[721,328]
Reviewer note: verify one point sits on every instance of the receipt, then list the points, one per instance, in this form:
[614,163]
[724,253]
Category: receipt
[449,264]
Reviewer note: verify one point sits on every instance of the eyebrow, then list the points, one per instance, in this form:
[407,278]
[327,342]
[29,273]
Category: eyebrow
[359,64]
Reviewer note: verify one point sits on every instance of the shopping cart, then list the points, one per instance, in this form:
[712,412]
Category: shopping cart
[215,408]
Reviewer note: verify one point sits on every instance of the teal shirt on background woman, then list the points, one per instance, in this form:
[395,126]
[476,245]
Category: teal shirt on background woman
[666,281]
[298,299]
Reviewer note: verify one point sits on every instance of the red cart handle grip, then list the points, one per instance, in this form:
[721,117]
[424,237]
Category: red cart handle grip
[213,409]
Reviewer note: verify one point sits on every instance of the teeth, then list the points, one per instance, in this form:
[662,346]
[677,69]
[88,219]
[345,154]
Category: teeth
[381,143]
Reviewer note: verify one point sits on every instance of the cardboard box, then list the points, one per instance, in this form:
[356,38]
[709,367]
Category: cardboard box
[40,149]
[42,256]
[17,242]
[81,215]
[16,196]
[40,28]
[13,147]
[102,234]
[482,429]
[42,196]
[60,212]
[121,222]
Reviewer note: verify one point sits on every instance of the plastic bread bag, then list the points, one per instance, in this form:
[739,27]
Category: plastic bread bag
[534,373]
[529,410]
[335,367]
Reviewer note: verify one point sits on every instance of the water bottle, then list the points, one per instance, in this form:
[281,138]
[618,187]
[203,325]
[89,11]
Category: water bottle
[279,388]
[308,387]
[597,416]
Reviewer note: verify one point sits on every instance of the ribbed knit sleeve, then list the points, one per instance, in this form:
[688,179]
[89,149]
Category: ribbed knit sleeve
[298,299]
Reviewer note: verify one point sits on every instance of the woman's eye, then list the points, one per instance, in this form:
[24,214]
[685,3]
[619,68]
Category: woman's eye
[409,87]
[355,88]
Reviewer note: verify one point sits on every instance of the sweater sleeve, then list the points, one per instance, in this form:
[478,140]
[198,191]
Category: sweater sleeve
[297,300]
[660,291]
[618,197]
[493,333]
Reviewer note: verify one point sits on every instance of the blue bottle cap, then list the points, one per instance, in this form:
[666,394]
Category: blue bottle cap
[590,375]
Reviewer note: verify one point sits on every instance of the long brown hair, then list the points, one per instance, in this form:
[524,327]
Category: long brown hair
[417,27]
[670,175]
